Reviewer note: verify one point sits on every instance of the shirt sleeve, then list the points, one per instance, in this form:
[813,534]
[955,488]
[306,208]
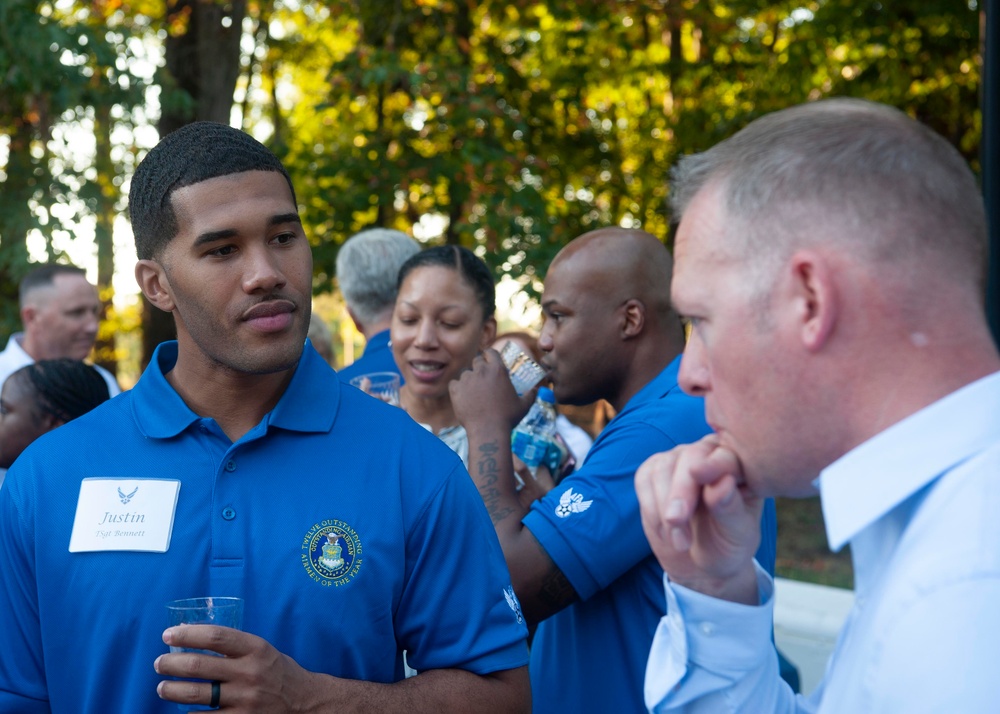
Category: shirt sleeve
[458,609]
[713,656]
[589,524]
[22,675]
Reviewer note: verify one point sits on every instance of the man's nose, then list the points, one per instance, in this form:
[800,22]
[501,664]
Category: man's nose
[91,321]
[263,274]
[693,374]
[545,339]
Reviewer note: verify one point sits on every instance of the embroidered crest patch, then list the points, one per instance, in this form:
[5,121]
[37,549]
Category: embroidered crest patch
[331,553]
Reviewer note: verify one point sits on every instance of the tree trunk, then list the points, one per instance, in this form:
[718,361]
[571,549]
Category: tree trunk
[16,221]
[104,230]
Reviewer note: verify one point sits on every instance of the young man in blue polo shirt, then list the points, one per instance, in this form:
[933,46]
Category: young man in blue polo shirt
[238,466]
[581,565]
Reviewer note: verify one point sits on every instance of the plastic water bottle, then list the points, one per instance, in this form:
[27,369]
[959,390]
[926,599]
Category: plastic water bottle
[532,437]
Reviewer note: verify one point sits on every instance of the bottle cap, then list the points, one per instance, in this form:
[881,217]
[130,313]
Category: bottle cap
[546,395]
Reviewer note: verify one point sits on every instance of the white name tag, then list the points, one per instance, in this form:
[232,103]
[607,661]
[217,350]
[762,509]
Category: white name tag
[124,514]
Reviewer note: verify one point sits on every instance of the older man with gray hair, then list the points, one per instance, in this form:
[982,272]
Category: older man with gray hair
[367,266]
[60,311]
[829,259]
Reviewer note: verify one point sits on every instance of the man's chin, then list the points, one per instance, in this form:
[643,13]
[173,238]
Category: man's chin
[570,399]
[271,361]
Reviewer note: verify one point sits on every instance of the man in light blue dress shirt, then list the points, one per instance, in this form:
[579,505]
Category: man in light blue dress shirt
[829,259]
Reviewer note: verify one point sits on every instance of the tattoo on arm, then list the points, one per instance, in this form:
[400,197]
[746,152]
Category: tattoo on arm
[487,475]
[556,591]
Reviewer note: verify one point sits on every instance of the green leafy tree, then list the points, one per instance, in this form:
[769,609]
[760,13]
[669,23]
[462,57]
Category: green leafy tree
[64,76]
[519,125]
[510,127]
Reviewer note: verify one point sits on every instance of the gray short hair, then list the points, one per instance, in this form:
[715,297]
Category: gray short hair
[367,266]
[846,170]
[43,276]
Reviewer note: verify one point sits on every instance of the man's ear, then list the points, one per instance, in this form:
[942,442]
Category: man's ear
[28,314]
[354,318]
[634,318]
[815,298]
[155,285]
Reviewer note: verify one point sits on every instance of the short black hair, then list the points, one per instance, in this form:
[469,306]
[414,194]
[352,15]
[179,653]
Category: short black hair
[64,388]
[194,153]
[45,275]
[462,260]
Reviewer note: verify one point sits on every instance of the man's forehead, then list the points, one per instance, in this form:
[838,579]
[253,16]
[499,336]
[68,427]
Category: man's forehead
[216,198]
[703,232]
[70,280]
[62,287]
[700,245]
[74,286]
[567,281]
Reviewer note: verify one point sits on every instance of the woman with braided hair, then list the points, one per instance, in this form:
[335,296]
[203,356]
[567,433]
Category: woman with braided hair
[41,396]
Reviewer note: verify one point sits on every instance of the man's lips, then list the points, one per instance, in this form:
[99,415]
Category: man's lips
[270,316]
[550,369]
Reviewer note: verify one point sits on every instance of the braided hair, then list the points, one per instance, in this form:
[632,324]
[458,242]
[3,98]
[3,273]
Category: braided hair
[471,268]
[64,388]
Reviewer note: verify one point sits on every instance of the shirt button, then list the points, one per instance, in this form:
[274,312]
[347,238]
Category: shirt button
[229,513]
[203,429]
[230,465]
[707,629]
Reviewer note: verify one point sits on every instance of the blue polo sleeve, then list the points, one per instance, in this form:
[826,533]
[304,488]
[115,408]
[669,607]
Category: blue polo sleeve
[22,675]
[589,524]
[477,626]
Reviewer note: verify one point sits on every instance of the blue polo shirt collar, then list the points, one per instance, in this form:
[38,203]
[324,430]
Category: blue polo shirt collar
[662,384]
[378,341]
[308,405]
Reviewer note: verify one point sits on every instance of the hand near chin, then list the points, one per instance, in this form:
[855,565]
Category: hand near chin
[484,395]
[702,525]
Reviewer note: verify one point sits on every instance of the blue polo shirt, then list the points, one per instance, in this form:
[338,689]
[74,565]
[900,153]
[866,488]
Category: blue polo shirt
[377,357]
[418,567]
[591,656]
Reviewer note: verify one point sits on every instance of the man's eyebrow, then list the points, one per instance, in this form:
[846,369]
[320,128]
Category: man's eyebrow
[284,218]
[212,236]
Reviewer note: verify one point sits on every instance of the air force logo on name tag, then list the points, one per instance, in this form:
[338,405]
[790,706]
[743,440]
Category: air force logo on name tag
[124,514]
[331,553]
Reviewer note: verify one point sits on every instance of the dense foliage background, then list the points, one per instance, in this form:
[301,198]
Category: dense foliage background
[510,127]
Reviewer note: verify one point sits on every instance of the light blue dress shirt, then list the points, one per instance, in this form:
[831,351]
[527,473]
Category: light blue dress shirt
[920,506]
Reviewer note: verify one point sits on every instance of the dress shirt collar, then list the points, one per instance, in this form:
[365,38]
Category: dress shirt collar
[14,347]
[875,477]
[309,404]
